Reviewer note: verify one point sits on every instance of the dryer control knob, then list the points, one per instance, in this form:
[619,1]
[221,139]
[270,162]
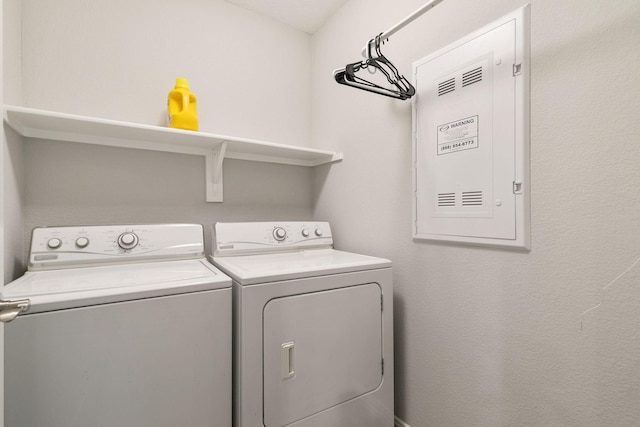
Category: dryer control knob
[318,232]
[279,234]
[305,233]
[54,243]
[128,240]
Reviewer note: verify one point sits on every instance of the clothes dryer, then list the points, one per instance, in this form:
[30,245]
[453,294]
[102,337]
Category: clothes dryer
[122,326]
[313,327]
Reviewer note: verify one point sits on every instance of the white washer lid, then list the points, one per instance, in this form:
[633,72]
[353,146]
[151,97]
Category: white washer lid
[78,287]
[271,267]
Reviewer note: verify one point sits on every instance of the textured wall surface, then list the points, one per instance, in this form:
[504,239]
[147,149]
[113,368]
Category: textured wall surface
[487,337]
[12,172]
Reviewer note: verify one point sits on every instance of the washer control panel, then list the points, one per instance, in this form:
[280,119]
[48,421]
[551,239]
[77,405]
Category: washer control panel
[234,238]
[66,247]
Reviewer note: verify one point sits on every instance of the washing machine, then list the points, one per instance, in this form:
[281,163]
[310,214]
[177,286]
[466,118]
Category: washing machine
[313,327]
[124,325]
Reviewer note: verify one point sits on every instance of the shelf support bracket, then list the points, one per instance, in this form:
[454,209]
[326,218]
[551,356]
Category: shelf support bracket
[214,159]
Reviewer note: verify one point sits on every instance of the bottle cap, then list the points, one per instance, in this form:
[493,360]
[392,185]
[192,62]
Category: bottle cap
[180,82]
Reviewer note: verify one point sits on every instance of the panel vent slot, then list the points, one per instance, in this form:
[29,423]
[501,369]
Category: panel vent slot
[446,199]
[471,77]
[472,198]
[447,86]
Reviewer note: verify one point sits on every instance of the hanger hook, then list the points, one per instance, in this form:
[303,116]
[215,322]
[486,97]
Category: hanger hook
[374,46]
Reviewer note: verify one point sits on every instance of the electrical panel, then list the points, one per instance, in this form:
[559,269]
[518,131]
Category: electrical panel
[471,138]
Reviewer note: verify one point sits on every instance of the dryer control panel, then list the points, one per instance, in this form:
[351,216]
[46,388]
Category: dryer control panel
[81,246]
[237,238]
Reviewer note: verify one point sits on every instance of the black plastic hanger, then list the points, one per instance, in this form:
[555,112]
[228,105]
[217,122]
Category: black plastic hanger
[402,88]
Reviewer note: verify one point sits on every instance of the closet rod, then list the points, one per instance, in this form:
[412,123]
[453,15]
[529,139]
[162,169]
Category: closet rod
[406,21]
[409,19]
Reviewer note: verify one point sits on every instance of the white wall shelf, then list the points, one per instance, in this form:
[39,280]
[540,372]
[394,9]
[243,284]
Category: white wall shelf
[32,123]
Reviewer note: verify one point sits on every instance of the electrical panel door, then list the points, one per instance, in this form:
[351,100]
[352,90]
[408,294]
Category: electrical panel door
[471,138]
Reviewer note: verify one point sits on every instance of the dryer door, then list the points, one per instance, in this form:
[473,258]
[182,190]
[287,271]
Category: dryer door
[320,349]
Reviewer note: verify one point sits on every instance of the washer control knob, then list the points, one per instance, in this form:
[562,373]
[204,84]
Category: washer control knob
[82,242]
[305,232]
[128,240]
[54,243]
[318,232]
[279,234]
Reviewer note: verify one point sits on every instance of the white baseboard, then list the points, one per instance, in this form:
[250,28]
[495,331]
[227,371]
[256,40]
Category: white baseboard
[399,423]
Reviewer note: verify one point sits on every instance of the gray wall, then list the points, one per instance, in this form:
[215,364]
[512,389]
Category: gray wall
[119,59]
[12,175]
[488,337]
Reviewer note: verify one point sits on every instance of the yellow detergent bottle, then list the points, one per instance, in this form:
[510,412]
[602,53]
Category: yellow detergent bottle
[181,109]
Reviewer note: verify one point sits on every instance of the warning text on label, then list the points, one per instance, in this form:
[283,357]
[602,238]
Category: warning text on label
[458,135]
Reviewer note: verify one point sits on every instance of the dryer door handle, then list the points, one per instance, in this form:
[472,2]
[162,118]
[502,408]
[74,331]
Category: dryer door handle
[287,360]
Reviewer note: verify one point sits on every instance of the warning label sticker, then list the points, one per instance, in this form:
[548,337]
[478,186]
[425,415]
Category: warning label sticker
[458,135]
